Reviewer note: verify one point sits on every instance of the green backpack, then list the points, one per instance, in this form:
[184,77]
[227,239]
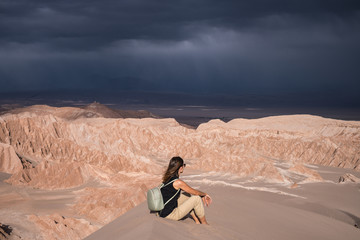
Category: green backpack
[155,200]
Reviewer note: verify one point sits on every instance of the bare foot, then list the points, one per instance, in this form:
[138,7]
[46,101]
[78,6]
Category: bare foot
[203,220]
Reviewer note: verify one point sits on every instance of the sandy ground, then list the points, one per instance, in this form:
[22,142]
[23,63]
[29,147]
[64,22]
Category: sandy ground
[241,209]
[247,210]
[17,203]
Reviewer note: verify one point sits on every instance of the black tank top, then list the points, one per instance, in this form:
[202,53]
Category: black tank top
[167,192]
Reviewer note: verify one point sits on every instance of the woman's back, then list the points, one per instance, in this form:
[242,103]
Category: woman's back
[168,192]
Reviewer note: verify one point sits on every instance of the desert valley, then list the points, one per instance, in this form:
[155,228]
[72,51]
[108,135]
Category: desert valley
[72,173]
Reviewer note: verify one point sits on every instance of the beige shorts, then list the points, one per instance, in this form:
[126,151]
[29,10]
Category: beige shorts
[186,205]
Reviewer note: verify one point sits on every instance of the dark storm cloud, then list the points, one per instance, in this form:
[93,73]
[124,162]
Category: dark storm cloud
[101,22]
[209,46]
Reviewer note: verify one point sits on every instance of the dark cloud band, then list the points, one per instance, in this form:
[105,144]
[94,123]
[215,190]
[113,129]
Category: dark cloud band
[210,46]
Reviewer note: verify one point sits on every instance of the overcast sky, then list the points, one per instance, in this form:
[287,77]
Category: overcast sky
[197,46]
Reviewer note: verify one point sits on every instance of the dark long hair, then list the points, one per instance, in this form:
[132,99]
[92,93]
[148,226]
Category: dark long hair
[172,170]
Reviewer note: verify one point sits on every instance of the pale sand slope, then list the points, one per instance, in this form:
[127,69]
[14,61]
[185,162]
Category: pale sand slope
[246,210]
[19,205]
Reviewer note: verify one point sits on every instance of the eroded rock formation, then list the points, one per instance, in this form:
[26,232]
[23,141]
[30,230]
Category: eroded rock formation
[97,148]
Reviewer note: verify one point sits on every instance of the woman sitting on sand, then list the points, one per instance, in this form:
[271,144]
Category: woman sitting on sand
[181,205]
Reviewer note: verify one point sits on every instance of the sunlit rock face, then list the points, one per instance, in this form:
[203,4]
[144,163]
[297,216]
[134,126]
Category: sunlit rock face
[294,139]
[61,148]
[9,161]
[70,152]
[79,150]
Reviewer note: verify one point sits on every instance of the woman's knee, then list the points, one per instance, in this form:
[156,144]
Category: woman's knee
[197,199]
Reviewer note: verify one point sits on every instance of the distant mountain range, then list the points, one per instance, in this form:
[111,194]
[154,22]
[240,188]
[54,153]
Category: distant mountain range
[76,97]
[190,109]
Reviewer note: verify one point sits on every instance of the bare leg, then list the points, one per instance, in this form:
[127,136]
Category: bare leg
[194,217]
[203,220]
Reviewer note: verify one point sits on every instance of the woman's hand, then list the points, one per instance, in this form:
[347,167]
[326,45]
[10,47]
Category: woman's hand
[207,200]
[183,186]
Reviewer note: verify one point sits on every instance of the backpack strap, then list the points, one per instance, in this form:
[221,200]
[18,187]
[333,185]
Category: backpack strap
[162,185]
[172,197]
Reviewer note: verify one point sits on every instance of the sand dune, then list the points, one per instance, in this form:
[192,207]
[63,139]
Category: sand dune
[252,213]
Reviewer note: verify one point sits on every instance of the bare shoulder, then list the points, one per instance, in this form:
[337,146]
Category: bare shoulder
[178,183]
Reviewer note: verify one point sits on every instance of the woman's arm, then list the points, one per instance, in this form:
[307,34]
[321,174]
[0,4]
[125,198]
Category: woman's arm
[183,186]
